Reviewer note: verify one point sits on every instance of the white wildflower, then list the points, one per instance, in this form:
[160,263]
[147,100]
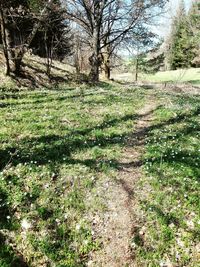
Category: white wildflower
[85,242]
[190,224]
[78,227]
[90,263]
[58,221]
[46,186]
[25,224]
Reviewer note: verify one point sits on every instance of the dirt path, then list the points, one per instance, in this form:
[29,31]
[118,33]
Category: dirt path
[117,225]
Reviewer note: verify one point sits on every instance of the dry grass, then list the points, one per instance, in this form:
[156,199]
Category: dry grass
[34,74]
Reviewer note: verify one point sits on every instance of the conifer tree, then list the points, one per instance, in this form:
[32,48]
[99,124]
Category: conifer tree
[36,24]
[181,49]
[194,24]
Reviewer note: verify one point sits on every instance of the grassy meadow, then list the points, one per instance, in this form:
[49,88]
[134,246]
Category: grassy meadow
[188,76]
[191,76]
[57,146]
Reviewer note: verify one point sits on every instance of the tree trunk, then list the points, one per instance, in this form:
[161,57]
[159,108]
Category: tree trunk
[48,50]
[77,55]
[136,70]
[77,62]
[5,46]
[9,45]
[17,65]
[107,70]
[95,61]
[13,55]
[94,73]
[106,62]
[19,56]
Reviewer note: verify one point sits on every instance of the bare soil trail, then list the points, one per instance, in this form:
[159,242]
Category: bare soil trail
[117,225]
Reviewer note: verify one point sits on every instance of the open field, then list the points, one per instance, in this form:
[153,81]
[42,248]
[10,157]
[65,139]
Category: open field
[177,76]
[60,149]
[190,76]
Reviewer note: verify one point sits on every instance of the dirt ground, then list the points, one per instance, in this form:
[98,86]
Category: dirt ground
[117,225]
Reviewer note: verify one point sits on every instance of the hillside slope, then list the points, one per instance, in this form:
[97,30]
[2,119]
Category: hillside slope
[34,73]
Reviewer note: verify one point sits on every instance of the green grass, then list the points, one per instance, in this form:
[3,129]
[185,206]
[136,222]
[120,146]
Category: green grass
[191,76]
[171,205]
[58,146]
[55,146]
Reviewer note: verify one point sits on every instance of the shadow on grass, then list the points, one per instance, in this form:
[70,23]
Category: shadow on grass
[56,148]
[185,157]
[33,78]
[195,82]
[180,118]
[45,98]
[5,211]
[8,256]
[166,218]
[48,149]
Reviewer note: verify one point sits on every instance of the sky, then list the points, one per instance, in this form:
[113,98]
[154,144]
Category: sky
[164,25]
[165,22]
[174,3]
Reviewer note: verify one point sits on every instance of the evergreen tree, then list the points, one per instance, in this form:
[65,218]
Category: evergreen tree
[194,24]
[155,62]
[53,37]
[33,24]
[181,48]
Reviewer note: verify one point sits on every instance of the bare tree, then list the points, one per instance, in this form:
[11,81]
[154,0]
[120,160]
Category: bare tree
[107,22]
